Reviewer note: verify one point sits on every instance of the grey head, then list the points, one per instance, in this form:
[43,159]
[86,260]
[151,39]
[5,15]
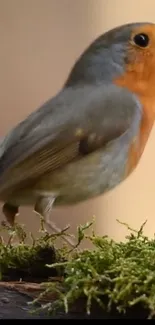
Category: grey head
[105,58]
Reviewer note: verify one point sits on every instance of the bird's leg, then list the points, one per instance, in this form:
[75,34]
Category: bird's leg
[10,212]
[43,207]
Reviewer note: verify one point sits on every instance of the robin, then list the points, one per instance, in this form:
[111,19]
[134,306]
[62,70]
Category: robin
[89,137]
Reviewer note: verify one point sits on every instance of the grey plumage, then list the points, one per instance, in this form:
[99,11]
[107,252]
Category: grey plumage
[45,134]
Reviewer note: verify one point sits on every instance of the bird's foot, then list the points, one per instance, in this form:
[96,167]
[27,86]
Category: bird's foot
[43,207]
[60,232]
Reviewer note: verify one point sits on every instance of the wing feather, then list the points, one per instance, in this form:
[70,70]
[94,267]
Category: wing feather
[75,122]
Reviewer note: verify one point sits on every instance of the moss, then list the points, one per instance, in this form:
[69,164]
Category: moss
[120,274]
[22,261]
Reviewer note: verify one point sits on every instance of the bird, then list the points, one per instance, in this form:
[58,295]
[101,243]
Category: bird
[90,136]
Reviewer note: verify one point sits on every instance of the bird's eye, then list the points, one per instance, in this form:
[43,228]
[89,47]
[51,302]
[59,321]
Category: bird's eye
[141,40]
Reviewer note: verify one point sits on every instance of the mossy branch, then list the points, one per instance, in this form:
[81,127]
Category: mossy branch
[120,274]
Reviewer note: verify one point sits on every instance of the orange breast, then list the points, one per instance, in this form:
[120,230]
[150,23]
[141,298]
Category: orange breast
[146,96]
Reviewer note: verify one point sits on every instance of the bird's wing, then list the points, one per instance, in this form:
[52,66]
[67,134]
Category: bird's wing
[74,123]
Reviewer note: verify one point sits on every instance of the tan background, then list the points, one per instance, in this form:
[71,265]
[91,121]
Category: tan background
[39,42]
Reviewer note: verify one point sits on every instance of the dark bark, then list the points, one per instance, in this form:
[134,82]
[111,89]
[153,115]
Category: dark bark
[14,305]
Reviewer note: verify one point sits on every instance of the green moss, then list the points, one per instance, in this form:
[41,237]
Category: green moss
[120,274]
[19,260]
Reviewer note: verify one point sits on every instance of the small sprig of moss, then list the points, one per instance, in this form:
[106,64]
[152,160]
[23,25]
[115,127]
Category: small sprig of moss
[20,260]
[120,274]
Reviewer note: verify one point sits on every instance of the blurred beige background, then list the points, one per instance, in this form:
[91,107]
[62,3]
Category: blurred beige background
[39,42]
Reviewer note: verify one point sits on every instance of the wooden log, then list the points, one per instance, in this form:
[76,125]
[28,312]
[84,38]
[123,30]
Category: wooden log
[14,298]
